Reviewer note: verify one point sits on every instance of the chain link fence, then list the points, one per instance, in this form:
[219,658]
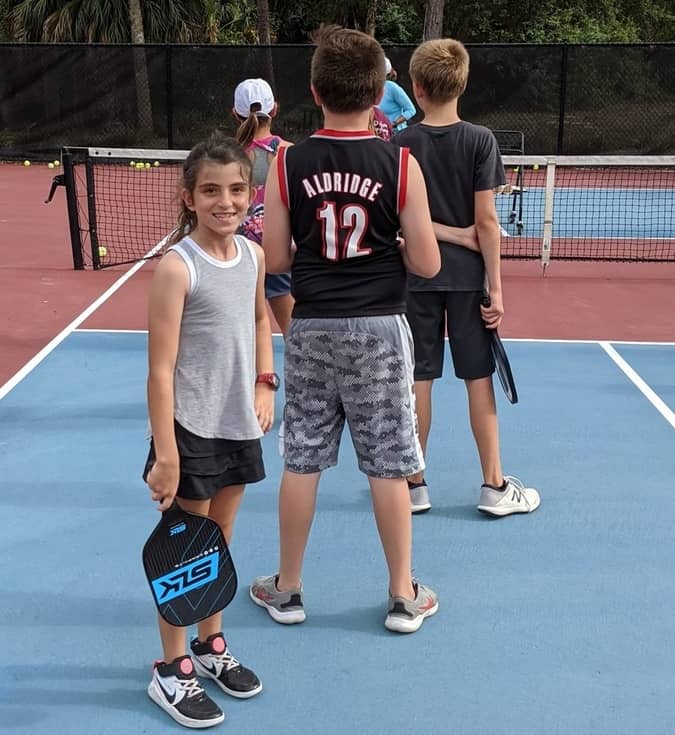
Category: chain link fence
[567,99]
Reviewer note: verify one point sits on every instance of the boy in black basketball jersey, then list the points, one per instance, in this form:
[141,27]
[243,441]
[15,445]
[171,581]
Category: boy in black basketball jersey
[462,167]
[343,195]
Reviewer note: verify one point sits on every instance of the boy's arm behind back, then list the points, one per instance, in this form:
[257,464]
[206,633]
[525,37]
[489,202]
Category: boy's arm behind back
[421,254]
[489,172]
[489,238]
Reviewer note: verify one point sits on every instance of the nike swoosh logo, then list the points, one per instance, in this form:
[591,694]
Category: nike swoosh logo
[210,667]
[170,696]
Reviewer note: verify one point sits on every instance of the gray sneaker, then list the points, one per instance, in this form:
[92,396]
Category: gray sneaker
[283,607]
[406,616]
[515,498]
[419,497]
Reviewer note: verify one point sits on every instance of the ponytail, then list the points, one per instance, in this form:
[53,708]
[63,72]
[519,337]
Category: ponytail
[248,128]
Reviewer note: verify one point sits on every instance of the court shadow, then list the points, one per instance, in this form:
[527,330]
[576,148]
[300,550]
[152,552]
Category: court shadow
[19,717]
[94,494]
[53,609]
[19,673]
[368,619]
[73,418]
[126,700]
[460,513]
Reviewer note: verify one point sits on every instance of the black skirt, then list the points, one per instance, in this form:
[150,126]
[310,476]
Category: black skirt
[207,465]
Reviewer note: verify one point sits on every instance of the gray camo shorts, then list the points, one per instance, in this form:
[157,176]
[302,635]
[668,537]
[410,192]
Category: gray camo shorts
[359,369]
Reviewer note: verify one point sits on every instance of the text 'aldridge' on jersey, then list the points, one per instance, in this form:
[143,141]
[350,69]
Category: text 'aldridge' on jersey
[342,183]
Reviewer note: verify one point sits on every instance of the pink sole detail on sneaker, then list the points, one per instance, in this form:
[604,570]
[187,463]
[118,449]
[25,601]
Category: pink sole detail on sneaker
[401,625]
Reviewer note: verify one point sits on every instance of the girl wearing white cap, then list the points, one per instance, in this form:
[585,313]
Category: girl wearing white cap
[254,108]
[396,104]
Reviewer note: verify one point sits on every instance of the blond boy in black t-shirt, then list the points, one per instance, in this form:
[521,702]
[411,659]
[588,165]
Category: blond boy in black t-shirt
[462,167]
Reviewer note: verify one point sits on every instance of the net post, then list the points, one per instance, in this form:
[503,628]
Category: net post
[71,205]
[91,210]
[548,215]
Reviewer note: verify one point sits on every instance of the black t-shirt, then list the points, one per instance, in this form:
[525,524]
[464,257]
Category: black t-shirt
[457,160]
[344,192]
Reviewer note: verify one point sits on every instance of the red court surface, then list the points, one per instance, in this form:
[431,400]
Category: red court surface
[40,293]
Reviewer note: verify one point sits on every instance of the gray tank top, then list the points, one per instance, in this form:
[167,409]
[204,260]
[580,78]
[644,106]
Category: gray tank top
[261,166]
[214,379]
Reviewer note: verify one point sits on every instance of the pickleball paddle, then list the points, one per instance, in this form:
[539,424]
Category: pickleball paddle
[502,364]
[189,567]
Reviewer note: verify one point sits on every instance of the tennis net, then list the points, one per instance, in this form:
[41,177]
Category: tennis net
[122,204]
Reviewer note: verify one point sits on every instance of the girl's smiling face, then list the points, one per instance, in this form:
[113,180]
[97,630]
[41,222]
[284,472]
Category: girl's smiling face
[220,199]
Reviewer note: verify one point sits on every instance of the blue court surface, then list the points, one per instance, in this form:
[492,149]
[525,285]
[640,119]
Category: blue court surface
[596,213]
[558,622]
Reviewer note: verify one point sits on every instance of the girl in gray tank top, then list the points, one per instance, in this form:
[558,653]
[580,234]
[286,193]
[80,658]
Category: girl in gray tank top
[210,398]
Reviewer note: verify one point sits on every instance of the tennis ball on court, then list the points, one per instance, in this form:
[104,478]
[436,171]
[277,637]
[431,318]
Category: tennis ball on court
[57,163]
[156,163]
[102,251]
[132,163]
[535,167]
[50,165]
[139,164]
[516,169]
[147,164]
[26,163]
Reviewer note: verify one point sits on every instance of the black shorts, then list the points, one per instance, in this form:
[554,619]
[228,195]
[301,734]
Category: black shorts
[429,313]
[207,465]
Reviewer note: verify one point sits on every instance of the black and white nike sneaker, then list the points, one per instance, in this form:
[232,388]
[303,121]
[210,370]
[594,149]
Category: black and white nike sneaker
[213,659]
[175,688]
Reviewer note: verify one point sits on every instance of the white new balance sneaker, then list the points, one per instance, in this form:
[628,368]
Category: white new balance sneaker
[515,498]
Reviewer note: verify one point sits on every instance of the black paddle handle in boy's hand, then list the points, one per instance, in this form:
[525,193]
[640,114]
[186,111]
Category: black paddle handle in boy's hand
[189,567]
[502,364]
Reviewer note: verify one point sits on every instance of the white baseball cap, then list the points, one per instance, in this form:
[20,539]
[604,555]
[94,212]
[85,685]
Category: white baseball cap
[387,65]
[250,92]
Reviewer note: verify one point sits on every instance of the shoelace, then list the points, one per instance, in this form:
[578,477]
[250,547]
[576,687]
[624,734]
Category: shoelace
[226,659]
[191,687]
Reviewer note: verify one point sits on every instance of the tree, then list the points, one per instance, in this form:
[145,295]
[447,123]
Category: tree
[433,19]
[265,38]
[114,21]
[143,99]
[95,21]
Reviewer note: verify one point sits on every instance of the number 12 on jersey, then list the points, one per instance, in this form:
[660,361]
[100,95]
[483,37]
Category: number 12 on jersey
[343,230]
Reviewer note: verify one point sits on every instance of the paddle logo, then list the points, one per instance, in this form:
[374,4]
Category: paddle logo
[178,528]
[190,577]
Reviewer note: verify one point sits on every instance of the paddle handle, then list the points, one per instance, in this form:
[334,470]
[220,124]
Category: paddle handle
[173,510]
[485,300]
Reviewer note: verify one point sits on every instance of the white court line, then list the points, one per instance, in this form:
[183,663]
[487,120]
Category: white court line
[504,339]
[37,359]
[588,341]
[110,331]
[640,384]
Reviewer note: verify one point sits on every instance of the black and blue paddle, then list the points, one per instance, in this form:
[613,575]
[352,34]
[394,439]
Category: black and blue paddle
[189,567]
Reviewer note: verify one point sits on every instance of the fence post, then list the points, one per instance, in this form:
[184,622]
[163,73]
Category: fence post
[563,99]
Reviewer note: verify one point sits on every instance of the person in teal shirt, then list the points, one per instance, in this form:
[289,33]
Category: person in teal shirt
[395,103]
